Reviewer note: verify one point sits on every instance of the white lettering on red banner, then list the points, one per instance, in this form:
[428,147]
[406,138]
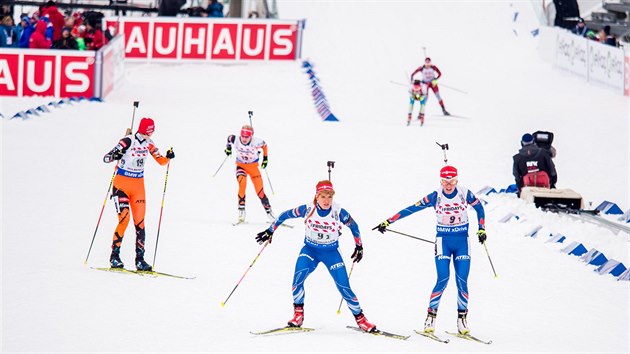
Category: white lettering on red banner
[206,39]
[46,73]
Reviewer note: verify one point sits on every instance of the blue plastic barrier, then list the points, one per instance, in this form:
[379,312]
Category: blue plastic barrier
[613,267]
[486,190]
[594,257]
[557,238]
[45,108]
[534,232]
[607,207]
[574,248]
[319,99]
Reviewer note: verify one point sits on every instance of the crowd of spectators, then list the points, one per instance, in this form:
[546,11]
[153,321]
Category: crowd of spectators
[603,35]
[48,28]
[214,9]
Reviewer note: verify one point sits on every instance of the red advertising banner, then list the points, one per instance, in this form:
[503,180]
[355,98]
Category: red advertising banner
[27,72]
[173,39]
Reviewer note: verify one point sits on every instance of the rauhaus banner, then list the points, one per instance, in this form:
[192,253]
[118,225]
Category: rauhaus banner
[205,39]
[59,73]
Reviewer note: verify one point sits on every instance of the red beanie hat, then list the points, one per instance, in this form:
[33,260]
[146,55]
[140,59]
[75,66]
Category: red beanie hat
[147,126]
[324,186]
[448,172]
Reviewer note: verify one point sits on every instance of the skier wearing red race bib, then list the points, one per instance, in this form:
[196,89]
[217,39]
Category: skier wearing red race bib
[450,203]
[248,148]
[132,152]
[430,75]
[323,221]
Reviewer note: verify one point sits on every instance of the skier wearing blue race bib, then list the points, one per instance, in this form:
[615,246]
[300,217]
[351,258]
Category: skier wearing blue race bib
[323,221]
[450,203]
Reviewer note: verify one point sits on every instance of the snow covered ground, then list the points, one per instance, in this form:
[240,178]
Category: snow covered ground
[54,184]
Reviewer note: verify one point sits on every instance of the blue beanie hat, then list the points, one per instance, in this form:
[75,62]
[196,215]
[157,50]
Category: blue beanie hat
[527,139]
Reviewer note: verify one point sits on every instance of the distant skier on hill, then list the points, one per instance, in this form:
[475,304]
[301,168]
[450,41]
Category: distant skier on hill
[248,149]
[132,152]
[323,221]
[450,203]
[430,75]
[416,93]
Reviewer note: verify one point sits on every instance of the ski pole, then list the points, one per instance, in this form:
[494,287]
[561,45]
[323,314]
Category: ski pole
[225,159]
[101,214]
[341,302]
[250,114]
[240,280]
[491,265]
[444,148]
[330,164]
[157,239]
[269,180]
[454,89]
[414,237]
[133,117]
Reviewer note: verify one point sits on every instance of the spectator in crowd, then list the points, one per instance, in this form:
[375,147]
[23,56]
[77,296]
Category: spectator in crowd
[215,9]
[28,27]
[94,37]
[66,41]
[38,39]
[80,37]
[8,33]
[533,166]
[580,28]
[50,31]
[607,38]
[56,19]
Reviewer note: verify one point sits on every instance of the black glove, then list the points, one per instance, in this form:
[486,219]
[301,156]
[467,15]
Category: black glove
[382,227]
[264,162]
[170,154]
[482,236]
[228,150]
[261,237]
[357,255]
[112,156]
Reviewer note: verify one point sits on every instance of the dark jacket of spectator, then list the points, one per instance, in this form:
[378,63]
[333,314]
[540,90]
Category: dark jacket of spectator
[531,158]
[215,9]
[66,41]
[580,28]
[57,20]
[38,38]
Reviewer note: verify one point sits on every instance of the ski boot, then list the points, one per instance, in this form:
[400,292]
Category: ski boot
[142,265]
[298,316]
[241,214]
[270,215]
[408,119]
[429,323]
[421,119]
[114,260]
[462,324]
[445,111]
[363,323]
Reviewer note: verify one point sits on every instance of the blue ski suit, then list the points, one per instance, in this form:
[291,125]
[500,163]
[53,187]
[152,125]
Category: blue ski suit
[322,230]
[451,238]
